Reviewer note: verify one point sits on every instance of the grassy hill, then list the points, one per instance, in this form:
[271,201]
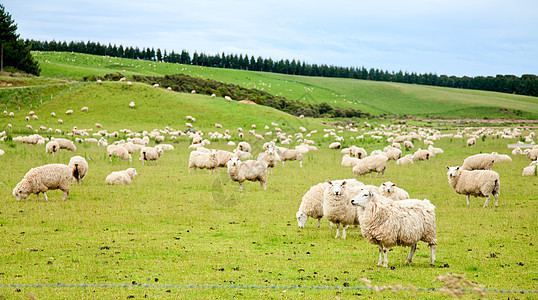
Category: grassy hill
[372,97]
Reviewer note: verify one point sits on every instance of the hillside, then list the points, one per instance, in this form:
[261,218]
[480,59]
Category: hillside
[372,97]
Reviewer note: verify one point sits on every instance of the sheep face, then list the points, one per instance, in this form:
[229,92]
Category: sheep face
[337,187]
[452,171]
[388,187]
[19,193]
[363,198]
[301,219]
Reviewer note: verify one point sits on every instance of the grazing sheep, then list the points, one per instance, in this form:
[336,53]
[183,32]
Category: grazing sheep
[84,109]
[389,223]
[224,157]
[369,164]
[422,155]
[65,144]
[286,154]
[533,154]
[44,178]
[60,121]
[312,205]
[159,139]
[481,183]
[501,157]
[409,145]
[357,152]
[337,207]
[392,153]
[167,147]
[269,157]
[531,170]
[69,112]
[435,150]
[348,161]
[79,166]
[2,152]
[52,147]
[203,160]
[99,81]
[251,170]
[227,98]
[408,159]
[390,190]
[482,161]
[150,153]
[121,177]
[243,146]
[471,142]
[118,151]
[132,105]
[335,145]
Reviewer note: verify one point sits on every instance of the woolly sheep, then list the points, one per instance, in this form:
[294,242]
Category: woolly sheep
[531,170]
[11,114]
[480,183]
[408,159]
[312,205]
[243,146]
[150,153]
[60,121]
[533,154]
[422,155]
[65,144]
[132,105]
[224,157]
[251,170]
[517,151]
[121,177]
[348,161]
[335,145]
[227,98]
[99,81]
[471,142]
[501,157]
[390,190]
[408,145]
[357,152]
[435,150]
[159,138]
[52,147]
[286,154]
[392,153]
[202,160]
[389,223]
[242,154]
[44,178]
[79,165]
[482,161]
[118,151]
[269,157]
[84,109]
[69,112]
[337,207]
[167,147]
[369,164]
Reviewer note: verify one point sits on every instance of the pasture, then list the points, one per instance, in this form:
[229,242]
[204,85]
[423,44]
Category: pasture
[172,228]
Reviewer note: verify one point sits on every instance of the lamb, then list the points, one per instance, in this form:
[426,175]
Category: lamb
[269,157]
[251,170]
[531,170]
[286,154]
[132,105]
[482,161]
[369,164]
[408,159]
[150,153]
[79,165]
[390,190]
[65,144]
[121,177]
[202,160]
[348,161]
[243,146]
[337,207]
[481,183]
[471,142]
[389,223]
[52,147]
[44,178]
[118,151]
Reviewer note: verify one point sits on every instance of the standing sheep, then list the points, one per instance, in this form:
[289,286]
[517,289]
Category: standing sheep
[150,153]
[422,155]
[389,223]
[312,205]
[481,183]
[121,177]
[118,151]
[44,178]
[203,160]
[270,157]
[79,166]
[224,157]
[65,144]
[286,154]
[243,146]
[132,105]
[335,145]
[482,161]
[52,147]
[374,163]
[251,170]
[390,190]
[337,207]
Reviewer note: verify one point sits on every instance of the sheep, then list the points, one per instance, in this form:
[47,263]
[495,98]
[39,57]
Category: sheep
[392,153]
[84,109]
[150,153]
[409,145]
[481,183]
[389,223]
[79,166]
[348,161]
[121,177]
[337,207]
[422,155]
[243,146]
[335,145]
[471,142]
[167,147]
[531,170]
[533,154]
[312,205]
[11,114]
[60,121]
[99,81]
[118,151]
[408,159]
[242,154]
[159,139]
[482,161]
[270,157]
[202,160]
[69,112]
[501,157]
[44,178]
[65,144]
[35,117]
[390,190]
[517,151]
[369,164]
[132,105]
[224,157]
[251,170]
[286,154]
[52,147]
[357,152]
[2,152]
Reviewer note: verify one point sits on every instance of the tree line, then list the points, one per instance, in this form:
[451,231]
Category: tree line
[524,85]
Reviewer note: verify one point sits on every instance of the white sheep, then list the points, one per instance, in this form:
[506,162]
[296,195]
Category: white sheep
[251,170]
[286,154]
[52,147]
[335,145]
[531,169]
[69,112]
[471,142]
[312,205]
[337,207]
[348,161]
[44,178]
[84,109]
[150,153]
[224,157]
[227,98]
[132,105]
[60,121]
[369,164]
[357,152]
[119,151]
[242,154]
[482,161]
[389,223]
[392,153]
[390,190]
[409,145]
[269,157]
[517,151]
[167,147]
[533,153]
[435,150]
[480,183]
[243,146]
[121,177]
[65,144]
[203,160]
[422,155]
[408,159]
[80,168]
[99,81]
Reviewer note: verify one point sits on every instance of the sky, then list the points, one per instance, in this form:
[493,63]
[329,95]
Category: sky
[444,37]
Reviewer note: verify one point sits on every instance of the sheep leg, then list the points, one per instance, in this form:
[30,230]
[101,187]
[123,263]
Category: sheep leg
[344,231]
[432,259]
[240,186]
[496,199]
[330,225]
[283,163]
[337,230]
[66,195]
[411,253]
[264,184]
[380,261]
[301,163]
[468,203]
[487,200]
[46,198]
[385,259]
[319,223]
[382,173]
[37,198]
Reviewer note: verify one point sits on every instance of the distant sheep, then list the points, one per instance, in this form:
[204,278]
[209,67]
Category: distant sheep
[243,146]
[65,144]
[312,205]
[471,142]
[84,109]
[44,178]
[480,183]
[269,157]
[119,151]
[390,190]
[251,170]
[132,105]
[79,165]
[52,147]
[482,161]
[203,160]
[369,164]
[335,145]
[242,154]
[69,112]
[150,153]
[533,154]
[422,155]
[286,154]
[389,223]
[121,177]
[531,170]
[224,157]
[408,159]
[409,145]
[348,161]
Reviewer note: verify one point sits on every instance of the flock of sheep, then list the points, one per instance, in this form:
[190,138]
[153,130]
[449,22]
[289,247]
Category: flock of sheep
[386,214]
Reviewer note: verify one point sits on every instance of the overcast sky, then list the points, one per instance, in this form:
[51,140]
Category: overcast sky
[450,37]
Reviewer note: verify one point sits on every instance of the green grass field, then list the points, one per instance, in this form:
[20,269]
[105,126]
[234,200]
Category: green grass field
[373,97]
[172,228]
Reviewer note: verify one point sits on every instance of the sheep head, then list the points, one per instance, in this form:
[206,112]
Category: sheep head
[363,198]
[452,171]
[337,187]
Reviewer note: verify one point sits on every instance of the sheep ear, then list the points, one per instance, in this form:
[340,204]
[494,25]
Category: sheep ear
[329,182]
[457,168]
[343,183]
[448,168]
